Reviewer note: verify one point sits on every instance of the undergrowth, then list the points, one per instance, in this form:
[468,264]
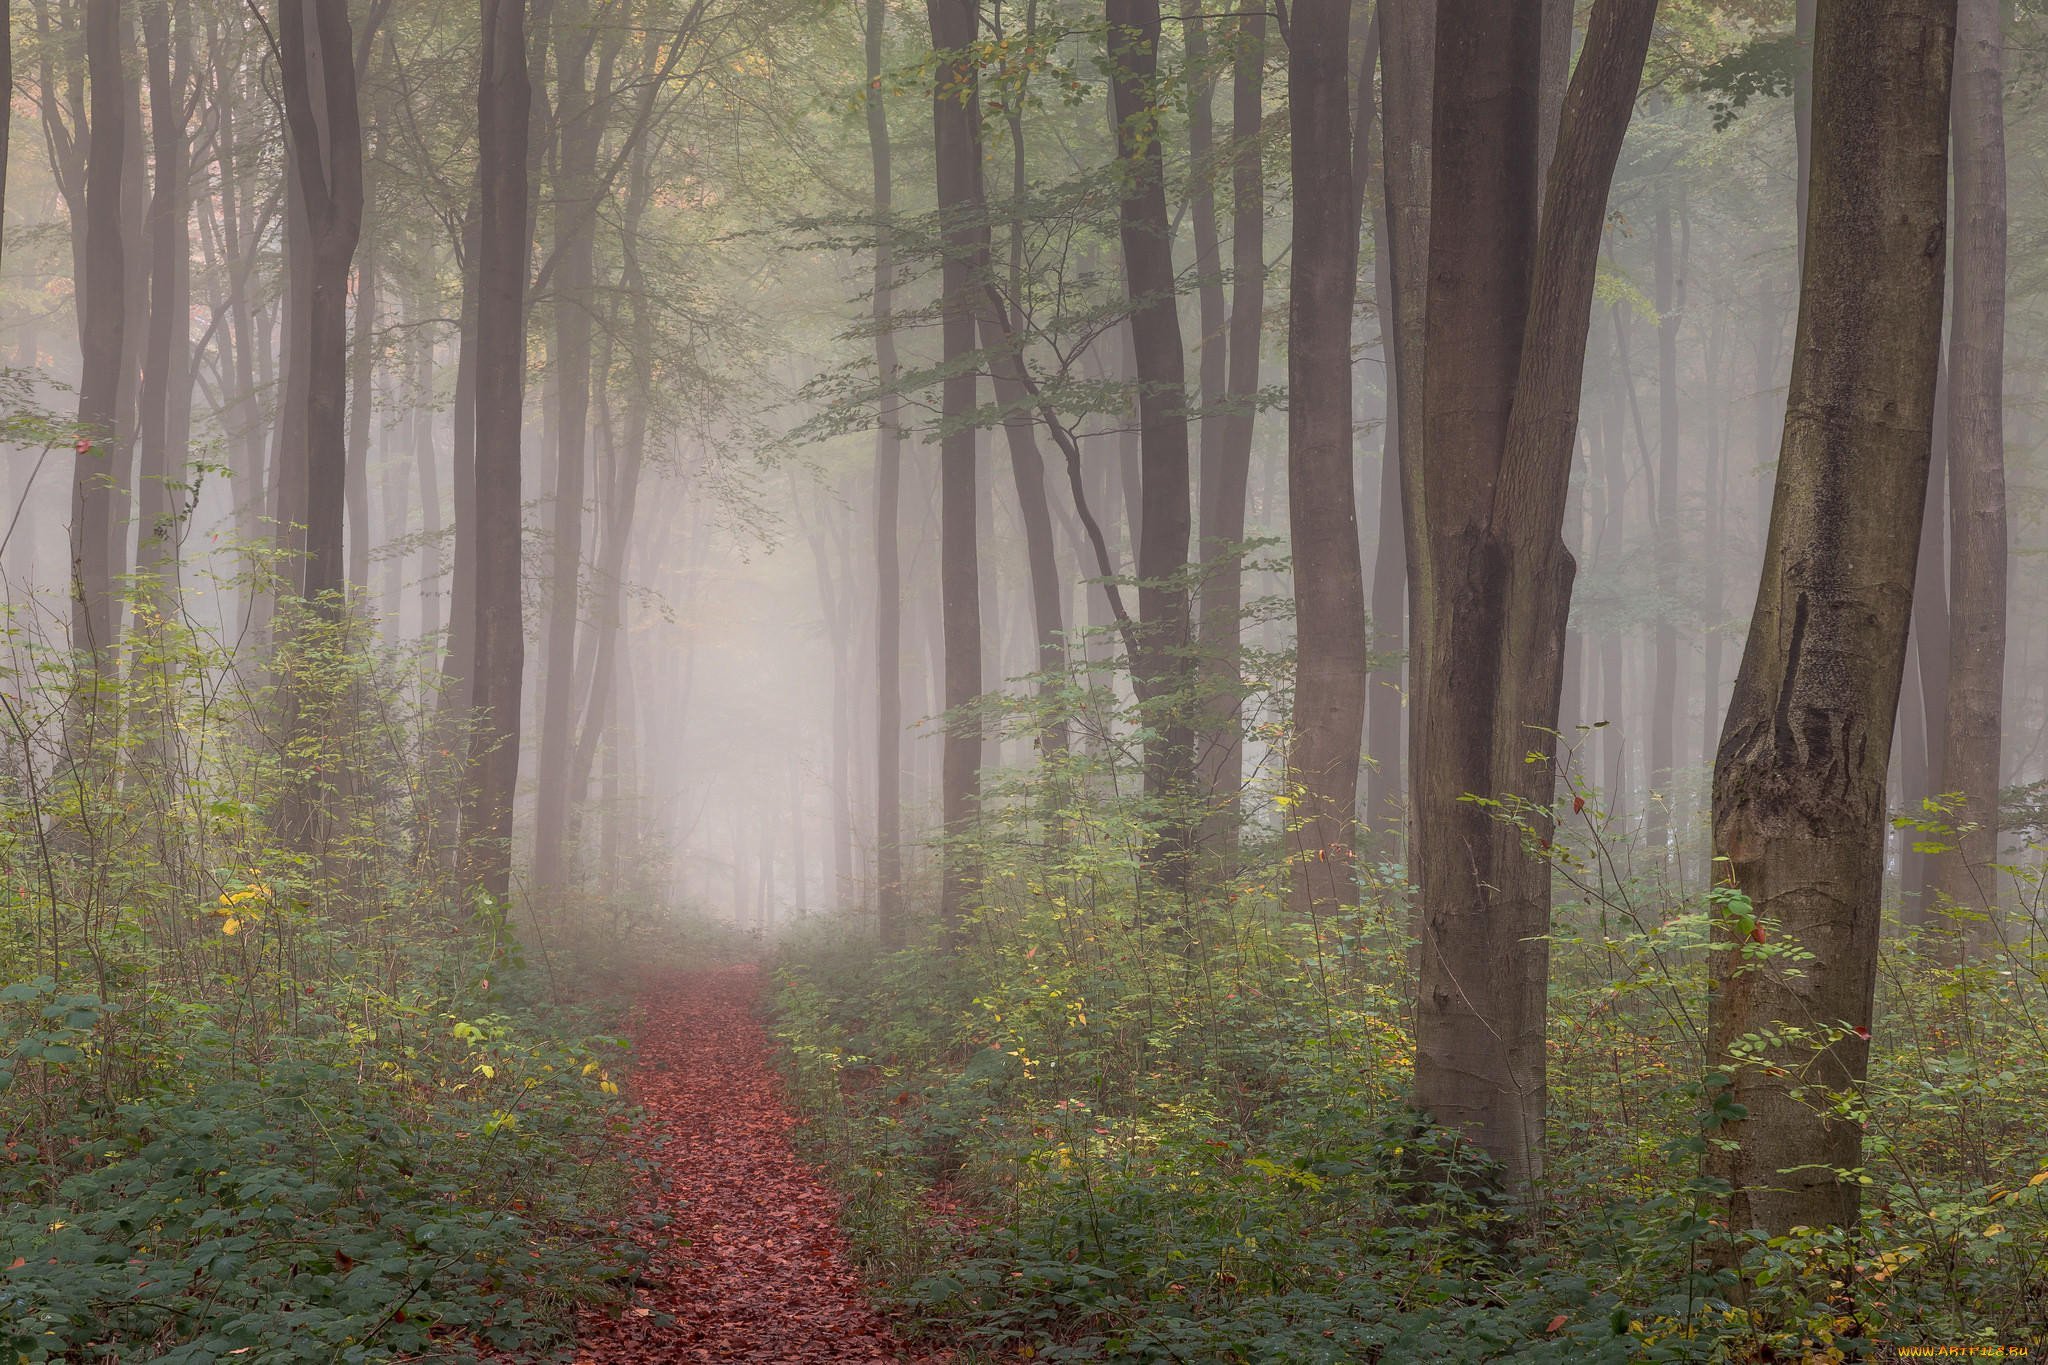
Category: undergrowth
[271,1089]
[1106,1121]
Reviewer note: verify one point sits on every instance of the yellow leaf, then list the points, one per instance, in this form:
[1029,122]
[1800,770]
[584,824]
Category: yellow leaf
[230,925]
[1994,1229]
[2040,1179]
[487,1071]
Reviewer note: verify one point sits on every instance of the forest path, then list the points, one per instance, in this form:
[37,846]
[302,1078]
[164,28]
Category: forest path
[765,1275]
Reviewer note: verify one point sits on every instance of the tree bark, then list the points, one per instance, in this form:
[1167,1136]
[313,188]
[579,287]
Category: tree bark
[1976,469]
[504,93]
[1162,665]
[955,115]
[1329,587]
[1408,81]
[326,157]
[1666,698]
[1924,727]
[166,352]
[363,373]
[101,325]
[1510,305]
[580,121]
[1227,446]
[890,917]
[1799,782]
[427,463]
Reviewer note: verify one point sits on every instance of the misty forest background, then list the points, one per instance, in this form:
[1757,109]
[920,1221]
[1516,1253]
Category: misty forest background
[1370,671]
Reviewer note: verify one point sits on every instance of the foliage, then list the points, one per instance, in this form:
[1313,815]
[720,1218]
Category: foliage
[1118,1123]
[268,1094]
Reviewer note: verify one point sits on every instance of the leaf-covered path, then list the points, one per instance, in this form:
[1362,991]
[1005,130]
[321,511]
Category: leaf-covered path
[751,1265]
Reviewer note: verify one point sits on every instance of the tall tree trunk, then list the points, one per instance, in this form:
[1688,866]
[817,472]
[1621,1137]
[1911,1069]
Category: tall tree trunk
[1329,587]
[1221,734]
[326,157]
[166,350]
[1926,754]
[955,114]
[7,113]
[580,122]
[458,668]
[621,501]
[1001,334]
[1976,469]
[1799,783]
[362,375]
[504,93]
[100,329]
[890,915]
[1507,316]
[1408,81]
[1227,442]
[427,462]
[1161,665]
[1384,776]
[1666,699]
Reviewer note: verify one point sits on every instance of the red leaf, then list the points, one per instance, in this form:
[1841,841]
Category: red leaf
[1557,1323]
[1757,933]
[1578,804]
[1862,1031]
[18,1263]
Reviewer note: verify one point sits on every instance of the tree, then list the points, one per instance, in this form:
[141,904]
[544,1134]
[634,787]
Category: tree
[1329,587]
[1408,79]
[1226,459]
[1976,461]
[955,118]
[166,377]
[579,124]
[1799,780]
[504,92]
[1162,661]
[889,898]
[101,325]
[1507,311]
[325,145]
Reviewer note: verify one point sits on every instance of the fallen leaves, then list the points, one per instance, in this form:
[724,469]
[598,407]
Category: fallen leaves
[745,1262]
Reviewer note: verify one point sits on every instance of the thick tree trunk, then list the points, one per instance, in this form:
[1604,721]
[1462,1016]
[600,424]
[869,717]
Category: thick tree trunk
[1509,307]
[326,158]
[1162,665]
[101,324]
[954,119]
[1799,783]
[1976,470]
[503,97]
[1329,587]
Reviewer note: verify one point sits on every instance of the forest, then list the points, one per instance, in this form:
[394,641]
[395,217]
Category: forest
[1023,680]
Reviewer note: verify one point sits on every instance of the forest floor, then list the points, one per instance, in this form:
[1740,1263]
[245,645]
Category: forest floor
[745,1261]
